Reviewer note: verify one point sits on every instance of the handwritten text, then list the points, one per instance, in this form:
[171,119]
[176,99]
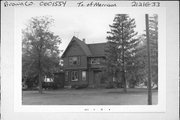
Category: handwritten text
[53,3]
[145,4]
[20,3]
[95,4]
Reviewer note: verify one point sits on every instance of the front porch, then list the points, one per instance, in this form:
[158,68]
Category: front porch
[92,78]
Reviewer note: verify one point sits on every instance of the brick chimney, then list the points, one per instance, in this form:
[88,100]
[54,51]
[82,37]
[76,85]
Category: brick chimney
[84,40]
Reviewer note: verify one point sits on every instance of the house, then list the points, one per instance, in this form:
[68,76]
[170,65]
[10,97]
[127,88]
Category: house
[83,64]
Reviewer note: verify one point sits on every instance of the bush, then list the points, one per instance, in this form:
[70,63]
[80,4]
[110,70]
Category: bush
[49,85]
[109,84]
[80,86]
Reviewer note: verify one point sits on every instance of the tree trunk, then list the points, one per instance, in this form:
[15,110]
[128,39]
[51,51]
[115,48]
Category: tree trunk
[40,82]
[149,61]
[156,30]
[123,63]
[40,74]
[124,81]
[123,71]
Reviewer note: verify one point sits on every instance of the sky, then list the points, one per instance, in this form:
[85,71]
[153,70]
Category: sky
[90,24]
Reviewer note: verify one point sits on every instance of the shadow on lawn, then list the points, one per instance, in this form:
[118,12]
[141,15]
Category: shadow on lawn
[89,91]
[132,91]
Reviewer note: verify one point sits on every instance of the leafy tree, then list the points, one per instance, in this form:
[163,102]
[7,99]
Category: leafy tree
[40,49]
[153,30]
[142,51]
[121,45]
[140,61]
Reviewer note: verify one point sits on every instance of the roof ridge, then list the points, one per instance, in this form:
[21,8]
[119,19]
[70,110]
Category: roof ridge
[96,43]
[92,49]
[76,38]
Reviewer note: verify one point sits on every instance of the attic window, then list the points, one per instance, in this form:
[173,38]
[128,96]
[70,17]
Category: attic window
[73,61]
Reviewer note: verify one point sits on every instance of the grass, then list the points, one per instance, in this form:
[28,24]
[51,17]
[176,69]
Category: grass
[136,96]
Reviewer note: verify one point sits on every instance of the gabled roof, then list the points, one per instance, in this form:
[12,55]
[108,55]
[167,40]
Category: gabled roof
[83,46]
[96,49]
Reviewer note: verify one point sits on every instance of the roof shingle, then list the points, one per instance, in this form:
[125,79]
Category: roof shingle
[96,49]
[83,46]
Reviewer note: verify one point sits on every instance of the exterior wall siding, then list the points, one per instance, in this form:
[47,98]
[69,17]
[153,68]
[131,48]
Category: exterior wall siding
[74,50]
[79,82]
[83,61]
[91,78]
[82,65]
[65,62]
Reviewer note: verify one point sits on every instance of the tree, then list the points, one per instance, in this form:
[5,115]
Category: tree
[121,45]
[40,49]
[153,30]
[149,61]
[140,64]
[142,51]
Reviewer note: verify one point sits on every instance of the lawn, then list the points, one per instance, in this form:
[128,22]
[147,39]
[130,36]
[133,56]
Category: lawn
[136,96]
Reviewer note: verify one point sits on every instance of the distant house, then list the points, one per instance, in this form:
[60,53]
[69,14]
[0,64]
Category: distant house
[82,63]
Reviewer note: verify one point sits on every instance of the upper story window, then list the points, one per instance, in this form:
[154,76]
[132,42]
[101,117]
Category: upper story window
[73,61]
[95,61]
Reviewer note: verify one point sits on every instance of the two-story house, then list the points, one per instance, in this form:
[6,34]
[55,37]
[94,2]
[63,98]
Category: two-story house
[82,63]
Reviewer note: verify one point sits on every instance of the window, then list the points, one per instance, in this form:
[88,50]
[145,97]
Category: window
[46,79]
[66,75]
[83,75]
[74,76]
[95,60]
[73,61]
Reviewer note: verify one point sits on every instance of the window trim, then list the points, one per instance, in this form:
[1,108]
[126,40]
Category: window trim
[98,59]
[78,61]
[67,76]
[72,74]
[85,75]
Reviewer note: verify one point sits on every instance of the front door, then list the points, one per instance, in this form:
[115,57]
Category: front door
[97,78]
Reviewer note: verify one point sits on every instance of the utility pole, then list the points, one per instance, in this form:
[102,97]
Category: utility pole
[149,61]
